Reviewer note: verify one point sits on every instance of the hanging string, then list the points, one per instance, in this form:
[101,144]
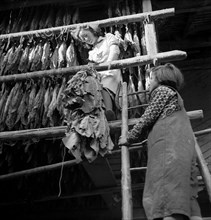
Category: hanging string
[61,172]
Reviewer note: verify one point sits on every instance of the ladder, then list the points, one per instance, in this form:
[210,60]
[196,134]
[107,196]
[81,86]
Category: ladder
[127,204]
[151,56]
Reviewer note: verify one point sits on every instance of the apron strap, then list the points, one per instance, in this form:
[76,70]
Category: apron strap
[180,100]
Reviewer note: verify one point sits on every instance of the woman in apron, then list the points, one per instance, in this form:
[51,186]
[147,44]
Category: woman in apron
[170,191]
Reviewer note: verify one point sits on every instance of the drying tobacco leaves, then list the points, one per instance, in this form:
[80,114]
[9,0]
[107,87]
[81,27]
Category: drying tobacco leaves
[88,133]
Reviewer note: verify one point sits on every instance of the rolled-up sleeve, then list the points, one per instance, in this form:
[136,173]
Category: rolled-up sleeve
[111,39]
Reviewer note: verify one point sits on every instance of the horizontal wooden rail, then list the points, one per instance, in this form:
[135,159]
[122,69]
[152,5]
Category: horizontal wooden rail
[138,168]
[59,132]
[117,64]
[55,166]
[203,132]
[69,163]
[63,164]
[38,170]
[140,17]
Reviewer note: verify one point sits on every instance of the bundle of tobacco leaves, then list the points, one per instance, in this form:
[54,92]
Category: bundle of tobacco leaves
[88,133]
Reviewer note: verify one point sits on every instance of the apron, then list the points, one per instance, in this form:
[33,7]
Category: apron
[171,177]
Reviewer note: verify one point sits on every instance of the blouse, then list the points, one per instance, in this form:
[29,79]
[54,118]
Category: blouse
[100,54]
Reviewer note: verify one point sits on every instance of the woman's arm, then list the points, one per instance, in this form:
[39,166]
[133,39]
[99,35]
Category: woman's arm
[160,97]
[114,52]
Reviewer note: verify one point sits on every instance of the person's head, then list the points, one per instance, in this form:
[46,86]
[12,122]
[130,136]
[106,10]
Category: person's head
[89,34]
[166,74]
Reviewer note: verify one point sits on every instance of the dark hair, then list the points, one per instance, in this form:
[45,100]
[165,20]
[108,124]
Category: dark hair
[169,75]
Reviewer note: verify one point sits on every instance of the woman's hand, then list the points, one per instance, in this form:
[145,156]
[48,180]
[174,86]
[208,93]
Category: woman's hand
[123,141]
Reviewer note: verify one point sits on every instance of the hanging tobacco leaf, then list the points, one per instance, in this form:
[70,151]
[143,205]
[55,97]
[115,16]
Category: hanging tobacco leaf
[84,116]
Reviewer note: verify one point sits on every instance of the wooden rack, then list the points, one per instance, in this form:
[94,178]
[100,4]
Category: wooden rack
[69,163]
[140,17]
[134,61]
[59,132]
[152,57]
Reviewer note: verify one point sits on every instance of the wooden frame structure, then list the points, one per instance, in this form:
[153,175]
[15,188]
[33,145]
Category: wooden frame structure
[152,57]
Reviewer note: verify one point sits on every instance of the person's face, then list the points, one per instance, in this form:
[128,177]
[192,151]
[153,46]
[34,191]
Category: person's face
[88,37]
[153,83]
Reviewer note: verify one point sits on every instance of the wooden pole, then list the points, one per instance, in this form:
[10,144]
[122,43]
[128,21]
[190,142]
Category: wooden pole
[127,206]
[149,30]
[149,38]
[51,167]
[204,169]
[138,169]
[65,164]
[38,170]
[202,132]
[117,64]
[59,131]
[140,17]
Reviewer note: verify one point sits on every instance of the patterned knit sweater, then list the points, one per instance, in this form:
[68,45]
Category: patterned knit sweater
[163,102]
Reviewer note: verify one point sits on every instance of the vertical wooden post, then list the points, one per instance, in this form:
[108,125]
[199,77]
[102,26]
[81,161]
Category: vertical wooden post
[127,206]
[204,169]
[150,36]
[149,30]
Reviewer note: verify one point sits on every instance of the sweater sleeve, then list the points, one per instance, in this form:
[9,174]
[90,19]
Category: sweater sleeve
[159,98]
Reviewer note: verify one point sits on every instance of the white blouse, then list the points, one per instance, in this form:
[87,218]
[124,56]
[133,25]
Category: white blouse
[100,54]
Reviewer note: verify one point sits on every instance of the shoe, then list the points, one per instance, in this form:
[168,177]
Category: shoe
[110,115]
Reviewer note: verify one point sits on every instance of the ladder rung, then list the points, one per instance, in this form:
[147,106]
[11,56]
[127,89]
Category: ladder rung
[139,143]
[138,168]
[138,106]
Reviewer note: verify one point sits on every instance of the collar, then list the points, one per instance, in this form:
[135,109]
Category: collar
[100,38]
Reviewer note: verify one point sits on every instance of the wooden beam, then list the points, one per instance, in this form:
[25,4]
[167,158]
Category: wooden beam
[127,201]
[117,64]
[187,8]
[65,164]
[140,17]
[203,132]
[149,30]
[38,170]
[59,131]
[150,38]
[204,169]
[74,162]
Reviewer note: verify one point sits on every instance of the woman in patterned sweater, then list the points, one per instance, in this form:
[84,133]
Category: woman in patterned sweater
[170,190]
